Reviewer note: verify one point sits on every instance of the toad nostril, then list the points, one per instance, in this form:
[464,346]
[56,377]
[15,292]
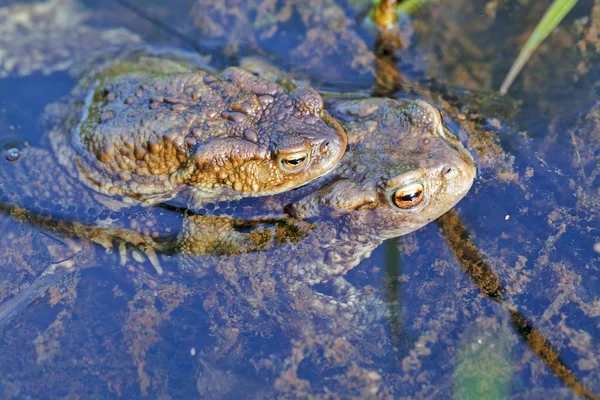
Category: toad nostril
[324,146]
[450,172]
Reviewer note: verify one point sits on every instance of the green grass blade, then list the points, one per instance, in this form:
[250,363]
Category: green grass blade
[549,21]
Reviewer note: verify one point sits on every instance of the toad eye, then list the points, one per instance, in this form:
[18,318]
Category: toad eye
[408,196]
[295,162]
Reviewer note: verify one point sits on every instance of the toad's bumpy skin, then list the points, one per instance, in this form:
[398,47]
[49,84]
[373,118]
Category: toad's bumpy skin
[142,131]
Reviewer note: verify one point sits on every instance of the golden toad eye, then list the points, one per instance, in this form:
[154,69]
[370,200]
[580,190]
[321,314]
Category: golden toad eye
[408,196]
[295,162]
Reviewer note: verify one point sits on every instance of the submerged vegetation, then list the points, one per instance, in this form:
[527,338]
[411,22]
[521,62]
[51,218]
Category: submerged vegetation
[385,15]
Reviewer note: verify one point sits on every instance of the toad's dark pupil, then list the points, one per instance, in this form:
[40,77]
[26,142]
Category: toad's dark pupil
[296,161]
[411,196]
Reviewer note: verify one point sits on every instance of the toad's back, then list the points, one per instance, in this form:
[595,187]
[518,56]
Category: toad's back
[147,132]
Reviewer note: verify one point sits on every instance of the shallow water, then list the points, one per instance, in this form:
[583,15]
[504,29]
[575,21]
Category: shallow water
[498,298]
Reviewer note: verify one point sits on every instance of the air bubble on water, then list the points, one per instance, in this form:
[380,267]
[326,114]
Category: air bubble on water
[12,153]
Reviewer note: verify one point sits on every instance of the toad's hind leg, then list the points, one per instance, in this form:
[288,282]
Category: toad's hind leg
[35,190]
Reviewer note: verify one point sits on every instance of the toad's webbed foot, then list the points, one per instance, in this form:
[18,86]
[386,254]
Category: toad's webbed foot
[141,246]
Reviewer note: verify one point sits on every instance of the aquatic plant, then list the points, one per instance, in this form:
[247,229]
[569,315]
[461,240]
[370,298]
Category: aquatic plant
[555,13]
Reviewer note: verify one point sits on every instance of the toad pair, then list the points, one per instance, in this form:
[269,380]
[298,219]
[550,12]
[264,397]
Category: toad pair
[148,126]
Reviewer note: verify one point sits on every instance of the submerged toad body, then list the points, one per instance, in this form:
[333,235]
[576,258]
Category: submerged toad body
[403,169]
[145,127]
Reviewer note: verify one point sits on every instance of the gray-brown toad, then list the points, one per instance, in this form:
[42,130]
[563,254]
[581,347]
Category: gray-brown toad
[151,123]
[403,169]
